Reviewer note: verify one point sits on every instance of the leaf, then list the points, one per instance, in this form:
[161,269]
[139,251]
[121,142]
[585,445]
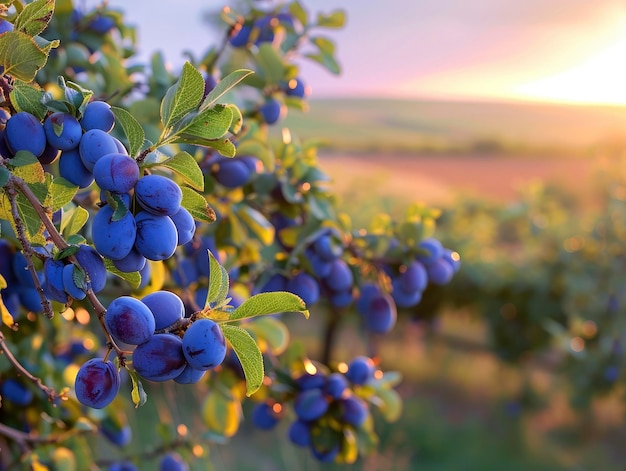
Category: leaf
[298,11]
[74,221]
[269,303]
[67,252]
[221,414]
[237,122]
[5,176]
[138,394]
[34,17]
[336,19]
[326,60]
[25,97]
[62,192]
[187,167]
[197,205]
[218,282]
[391,406]
[223,86]
[271,64]
[225,147]
[182,97]
[209,124]
[132,129]
[258,224]
[134,278]
[21,56]
[325,45]
[7,318]
[249,355]
[274,332]
[34,226]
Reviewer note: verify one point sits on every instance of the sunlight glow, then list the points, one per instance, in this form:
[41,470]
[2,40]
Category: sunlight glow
[599,79]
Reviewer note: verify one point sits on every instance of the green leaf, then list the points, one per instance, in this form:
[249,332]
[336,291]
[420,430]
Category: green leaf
[134,278]
[182,97]
[34,17]
[197,205]
[325,45]
[274,332]
[223,86]
[224,146]
[62,192]
[5,175]
[23,158]
[271,64]
[28,98]
[21,56]
[119,208]
[258,224]
[137,394]
[249,355]
[269,303]
[237,122]
[34,226]
[298,11]
[74,220]
[209,124]
[132,129]
[187,167]
[391,404]
[336,19]
[67,252]
[218,282]
[326,60]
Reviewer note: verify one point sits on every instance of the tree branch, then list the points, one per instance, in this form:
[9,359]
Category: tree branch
[28,251]
[50,392]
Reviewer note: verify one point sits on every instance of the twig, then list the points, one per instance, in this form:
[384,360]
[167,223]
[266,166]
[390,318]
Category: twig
[28,252]
[330,333]
[6,88]
[50,392]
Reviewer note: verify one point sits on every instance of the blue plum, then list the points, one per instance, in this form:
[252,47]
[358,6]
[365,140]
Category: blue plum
[14,391]
[160,358]
[240,35]
[94,145]
[311,381]
[113,239]
[189,375]
[336,385]
[116,172]
[69,285]
[299,433]
[63,131]
[310,404]
[132,262]
[413,278]
[440,272]
[204,345]
[71,168]
[185,225]
[360,370]
[295,87]
[353,410]
[430,250]
[158,195]
[305,286]
[263,416]
[129,320]
[380,315]
[48,155]
[97,383]
[98,115]
[93,265]
[156,236]
[166,307]
[232,173]
[340,277]
[25,132]
[271,110]
[53,270]
[404,298]
[173,462]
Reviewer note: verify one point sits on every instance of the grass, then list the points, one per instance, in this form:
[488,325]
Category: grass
[409,126]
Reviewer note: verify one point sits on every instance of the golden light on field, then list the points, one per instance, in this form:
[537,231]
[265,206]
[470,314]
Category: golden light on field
[600,78]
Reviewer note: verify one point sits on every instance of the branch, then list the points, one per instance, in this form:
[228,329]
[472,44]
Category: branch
[28,251]
[59,241]
[50,392]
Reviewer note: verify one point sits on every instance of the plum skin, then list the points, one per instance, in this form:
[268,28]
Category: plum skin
[129,320]
[160,358]
[97,383]
[204,345]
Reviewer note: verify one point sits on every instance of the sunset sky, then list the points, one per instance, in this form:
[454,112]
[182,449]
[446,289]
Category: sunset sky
[557,50]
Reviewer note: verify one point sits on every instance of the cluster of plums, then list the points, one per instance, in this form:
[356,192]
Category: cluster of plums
[158,355]
[59,278]
[323,404]
[232,172]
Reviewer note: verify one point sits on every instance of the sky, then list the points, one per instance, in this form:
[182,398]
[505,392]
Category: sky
[556,50]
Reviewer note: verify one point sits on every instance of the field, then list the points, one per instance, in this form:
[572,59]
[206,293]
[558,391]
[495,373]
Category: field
[386,126]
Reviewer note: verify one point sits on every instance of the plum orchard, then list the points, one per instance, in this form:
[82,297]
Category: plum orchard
[162,222]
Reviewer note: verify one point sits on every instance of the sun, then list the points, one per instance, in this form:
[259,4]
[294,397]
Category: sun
[600,79]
